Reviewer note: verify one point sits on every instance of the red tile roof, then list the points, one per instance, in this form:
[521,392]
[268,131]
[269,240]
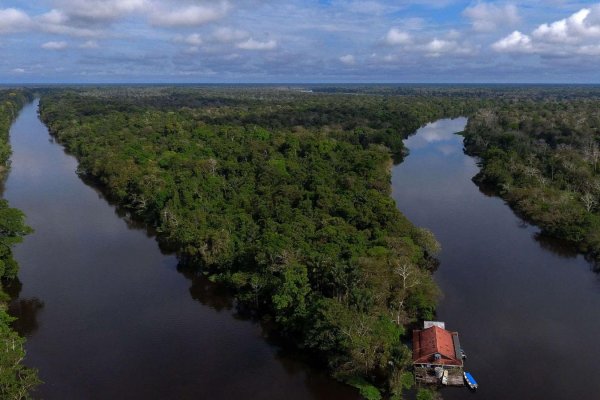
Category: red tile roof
[428,342]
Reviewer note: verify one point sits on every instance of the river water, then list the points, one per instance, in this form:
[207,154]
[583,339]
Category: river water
[526,308]
[107,315]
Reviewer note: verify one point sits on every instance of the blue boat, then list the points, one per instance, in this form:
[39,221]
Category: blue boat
[470,381]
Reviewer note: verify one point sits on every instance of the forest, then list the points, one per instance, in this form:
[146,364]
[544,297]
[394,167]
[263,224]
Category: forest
[282,195]
[543,157]
[16,380]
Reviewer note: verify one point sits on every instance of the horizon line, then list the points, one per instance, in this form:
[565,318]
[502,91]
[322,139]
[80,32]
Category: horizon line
[295,83]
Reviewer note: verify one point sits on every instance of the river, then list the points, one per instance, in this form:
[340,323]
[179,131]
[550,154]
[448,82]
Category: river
[107,315]
[526,308]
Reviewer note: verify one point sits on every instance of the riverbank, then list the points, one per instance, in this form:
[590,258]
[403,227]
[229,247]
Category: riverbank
[16,380]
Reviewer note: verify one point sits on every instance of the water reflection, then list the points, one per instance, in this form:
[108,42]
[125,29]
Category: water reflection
[207,292]
[26,310]
[522,303]
[559,247]
[437,135]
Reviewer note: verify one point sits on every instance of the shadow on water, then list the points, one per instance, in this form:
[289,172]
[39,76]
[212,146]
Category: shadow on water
[26,310]
[206,292]
[557,246]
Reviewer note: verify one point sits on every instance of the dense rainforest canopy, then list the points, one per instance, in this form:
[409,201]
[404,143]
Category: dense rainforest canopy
[283,195]
[16,380]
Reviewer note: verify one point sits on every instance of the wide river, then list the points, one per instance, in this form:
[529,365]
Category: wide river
[108,316]
[527,309]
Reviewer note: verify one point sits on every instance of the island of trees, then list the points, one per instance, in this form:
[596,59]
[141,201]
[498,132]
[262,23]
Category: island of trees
[282,195]
[16,380]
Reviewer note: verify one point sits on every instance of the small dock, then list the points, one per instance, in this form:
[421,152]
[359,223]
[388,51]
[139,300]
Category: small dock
[455,377]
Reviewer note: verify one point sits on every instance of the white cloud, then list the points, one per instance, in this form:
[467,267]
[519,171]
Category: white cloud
[58,22]
[100,10]
[348,59]
[193,15]
[194,41]
[515,42]
[252,44]
[423,44]
[396,37]
[487,17]
[55,45]
[13,20]
[581,25]
[18,71]
[577,34]
[227,35]
[53,17]
[437,47]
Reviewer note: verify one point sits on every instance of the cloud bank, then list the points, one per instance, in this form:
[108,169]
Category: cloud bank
[299,40]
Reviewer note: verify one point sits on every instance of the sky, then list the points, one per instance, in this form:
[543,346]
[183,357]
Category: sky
[270,41]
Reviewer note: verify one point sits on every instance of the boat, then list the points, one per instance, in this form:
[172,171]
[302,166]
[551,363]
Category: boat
[470,381]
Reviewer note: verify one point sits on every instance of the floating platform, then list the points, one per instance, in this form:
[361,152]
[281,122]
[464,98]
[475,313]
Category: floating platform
[453,378]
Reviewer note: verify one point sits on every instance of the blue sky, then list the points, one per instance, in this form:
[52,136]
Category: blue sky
[105,41]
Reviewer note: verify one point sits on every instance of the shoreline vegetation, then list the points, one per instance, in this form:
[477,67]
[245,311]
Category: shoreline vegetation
[543,158]
[284,197]
[16,380]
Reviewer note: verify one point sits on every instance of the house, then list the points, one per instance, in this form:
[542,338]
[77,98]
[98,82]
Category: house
[435,346]
[436,350]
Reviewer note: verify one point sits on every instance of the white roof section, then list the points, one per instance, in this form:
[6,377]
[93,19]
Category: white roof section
[429,324]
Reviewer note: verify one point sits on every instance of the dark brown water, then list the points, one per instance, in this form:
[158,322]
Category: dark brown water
[527,309]
[108,316]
